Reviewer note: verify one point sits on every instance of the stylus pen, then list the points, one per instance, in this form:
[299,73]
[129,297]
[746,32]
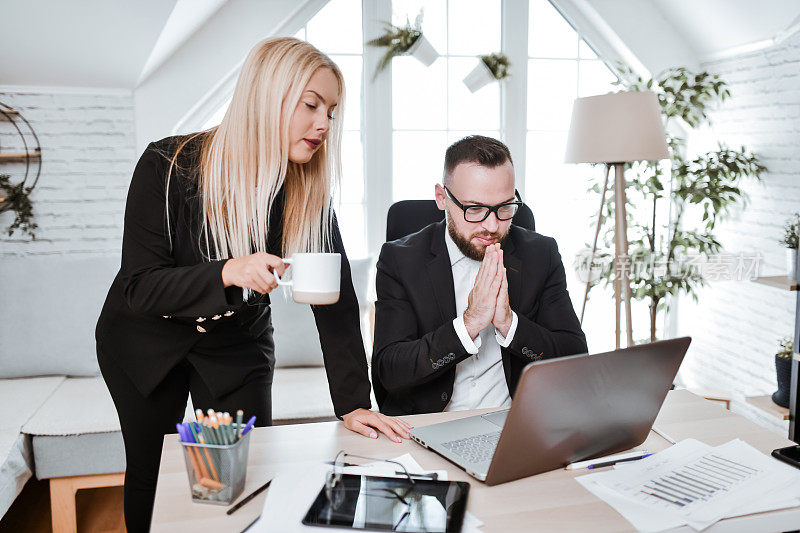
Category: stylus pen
[249,497]
[610,463]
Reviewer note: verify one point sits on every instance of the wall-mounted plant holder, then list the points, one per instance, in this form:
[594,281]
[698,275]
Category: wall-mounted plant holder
[423,50]
[404,40]
[491,67]
[478,77]
[20,168]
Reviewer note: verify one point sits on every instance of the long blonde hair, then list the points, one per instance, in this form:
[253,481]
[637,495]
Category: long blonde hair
[244,161]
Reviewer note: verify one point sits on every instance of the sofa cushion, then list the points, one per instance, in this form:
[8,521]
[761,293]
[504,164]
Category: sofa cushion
[78,455]
[22,397]
[78,406]
[295,333]
[49,328]
[296,337]
[76,431]
[300,393]
[16,466]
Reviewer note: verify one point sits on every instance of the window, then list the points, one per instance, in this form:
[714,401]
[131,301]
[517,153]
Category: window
[561,67]
[336,31]
[431,106]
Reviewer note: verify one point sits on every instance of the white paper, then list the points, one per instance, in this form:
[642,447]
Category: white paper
[753,483]
[291,494]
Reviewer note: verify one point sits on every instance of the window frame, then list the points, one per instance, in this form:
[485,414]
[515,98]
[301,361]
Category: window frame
[376,117]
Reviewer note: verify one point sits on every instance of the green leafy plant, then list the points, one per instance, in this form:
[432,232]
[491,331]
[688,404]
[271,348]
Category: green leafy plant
[666,258]
[785,348]
[498,64]
[17,198]
[791,232]
[397,40]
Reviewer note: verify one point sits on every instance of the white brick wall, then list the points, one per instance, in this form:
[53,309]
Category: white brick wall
[737,324]
[88,155]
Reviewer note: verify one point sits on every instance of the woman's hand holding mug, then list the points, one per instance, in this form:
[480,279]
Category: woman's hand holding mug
[255,272]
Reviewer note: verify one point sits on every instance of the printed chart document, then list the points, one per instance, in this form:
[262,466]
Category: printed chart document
[696,484]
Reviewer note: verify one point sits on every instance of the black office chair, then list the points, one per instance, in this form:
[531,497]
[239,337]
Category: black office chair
[409,216]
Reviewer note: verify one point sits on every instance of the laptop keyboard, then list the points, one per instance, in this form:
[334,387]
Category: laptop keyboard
[475,449]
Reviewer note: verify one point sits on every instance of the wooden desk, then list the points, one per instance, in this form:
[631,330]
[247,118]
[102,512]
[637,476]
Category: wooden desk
[552,501]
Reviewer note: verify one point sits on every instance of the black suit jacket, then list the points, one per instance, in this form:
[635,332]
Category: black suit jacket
[165,295]
[416,347]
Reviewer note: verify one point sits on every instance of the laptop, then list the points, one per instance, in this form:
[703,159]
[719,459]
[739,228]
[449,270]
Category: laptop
[564,410]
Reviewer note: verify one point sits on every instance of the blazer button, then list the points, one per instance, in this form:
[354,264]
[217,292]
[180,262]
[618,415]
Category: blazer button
[201,319]
[444,396]
[201,329]
[216,317]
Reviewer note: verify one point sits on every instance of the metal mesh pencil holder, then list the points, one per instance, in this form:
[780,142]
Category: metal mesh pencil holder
[216,472]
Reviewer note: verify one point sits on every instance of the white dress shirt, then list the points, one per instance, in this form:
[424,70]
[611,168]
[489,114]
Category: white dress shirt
[480,379]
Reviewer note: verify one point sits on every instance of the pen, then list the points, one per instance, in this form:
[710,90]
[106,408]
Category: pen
[433,475]
[249,425]
[637,454]
[609,463]
[249,497]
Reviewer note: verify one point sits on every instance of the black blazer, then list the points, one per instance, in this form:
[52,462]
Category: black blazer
[165,295]
[416,347]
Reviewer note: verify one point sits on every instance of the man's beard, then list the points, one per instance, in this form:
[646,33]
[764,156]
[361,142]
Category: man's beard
[473,251]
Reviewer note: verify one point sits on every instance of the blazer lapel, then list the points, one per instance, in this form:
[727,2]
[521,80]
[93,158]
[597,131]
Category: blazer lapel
[441,275]
[513,266]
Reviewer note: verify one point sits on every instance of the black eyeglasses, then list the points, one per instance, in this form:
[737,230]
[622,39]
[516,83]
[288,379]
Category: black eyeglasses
[479,213]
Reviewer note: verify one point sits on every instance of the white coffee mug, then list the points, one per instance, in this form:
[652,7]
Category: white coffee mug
[315,278]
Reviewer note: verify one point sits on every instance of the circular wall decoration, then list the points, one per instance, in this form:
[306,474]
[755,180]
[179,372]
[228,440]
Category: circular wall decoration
[20,168]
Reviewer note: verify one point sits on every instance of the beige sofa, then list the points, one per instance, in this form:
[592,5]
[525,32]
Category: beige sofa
[60,423]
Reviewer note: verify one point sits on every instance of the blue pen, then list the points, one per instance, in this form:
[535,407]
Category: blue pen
[181,432]
[249,425]
[610,463]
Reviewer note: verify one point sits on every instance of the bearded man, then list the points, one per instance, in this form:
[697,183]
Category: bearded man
[465,304]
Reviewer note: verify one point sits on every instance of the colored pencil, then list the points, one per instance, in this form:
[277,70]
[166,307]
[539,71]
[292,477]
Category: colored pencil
[239,420]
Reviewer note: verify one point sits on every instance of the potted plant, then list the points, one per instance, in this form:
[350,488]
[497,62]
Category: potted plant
[668,254]
[783,371]
[492,67]
[405,40]
[790,241]
[17,198]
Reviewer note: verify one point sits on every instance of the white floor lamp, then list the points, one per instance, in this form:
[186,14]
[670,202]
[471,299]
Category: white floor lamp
[615,129]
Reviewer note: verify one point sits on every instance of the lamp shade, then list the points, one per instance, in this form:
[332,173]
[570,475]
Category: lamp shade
[616,128]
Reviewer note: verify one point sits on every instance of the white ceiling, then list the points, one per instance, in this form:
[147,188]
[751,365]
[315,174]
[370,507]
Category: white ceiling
[94,43]
[119,43]
[84,43]
[711,27]
[187,17]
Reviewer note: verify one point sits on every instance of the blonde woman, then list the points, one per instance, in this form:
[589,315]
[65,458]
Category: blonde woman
[207,219]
